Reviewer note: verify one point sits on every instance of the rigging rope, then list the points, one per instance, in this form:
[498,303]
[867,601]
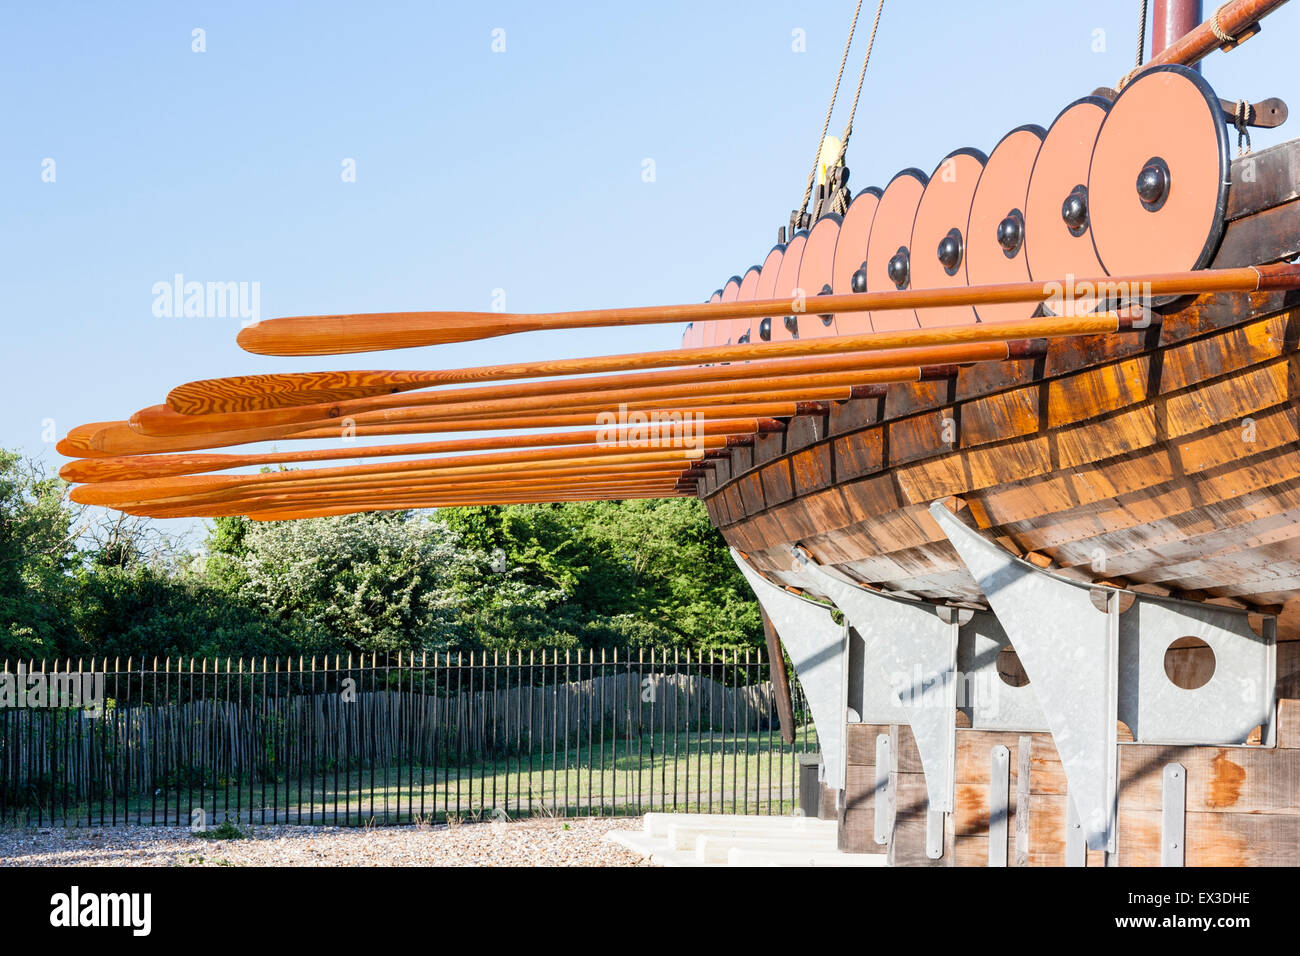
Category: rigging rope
[862,75]
[1142,30]
[812,176]
[1142,42]
[1217,30]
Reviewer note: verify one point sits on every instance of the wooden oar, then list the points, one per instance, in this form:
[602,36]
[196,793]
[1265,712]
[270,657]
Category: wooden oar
[386,506]
[115,494]
[449,491]
[601,408]
[185,505]
[207,486]
[380,331]
[122,468]
[575,490]
[571,394]
[245,393]
[111,439]
[444,463]
[216,390]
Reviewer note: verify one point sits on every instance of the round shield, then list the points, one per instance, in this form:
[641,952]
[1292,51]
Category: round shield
[851,256]
[815,268]
[766,289]
[719,332]
[888,255]
[1158,185]
[1058,240]
[995,236]
[938,245]
[693,337]
[748,290]
[787,282]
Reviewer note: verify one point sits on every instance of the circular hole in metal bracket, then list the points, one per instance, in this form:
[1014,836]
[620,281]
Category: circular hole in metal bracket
[1189,663]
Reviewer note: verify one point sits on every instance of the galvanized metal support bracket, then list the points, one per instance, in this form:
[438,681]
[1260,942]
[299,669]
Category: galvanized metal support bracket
[1173,804]
[816,645]
[1076,843]
[989,702]
[909,671]
[1070,651]
[1239,696]
[883,795]
[999,803]
[1095,655]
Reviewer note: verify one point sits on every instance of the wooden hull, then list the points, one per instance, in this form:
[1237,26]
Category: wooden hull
[1167,460]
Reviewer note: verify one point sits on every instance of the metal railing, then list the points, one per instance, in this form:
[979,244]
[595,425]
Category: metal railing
[347,741]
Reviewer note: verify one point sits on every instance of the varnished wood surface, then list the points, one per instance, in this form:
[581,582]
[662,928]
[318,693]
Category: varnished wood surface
[734,383]
[246,393]
[1141,458]
[659,435]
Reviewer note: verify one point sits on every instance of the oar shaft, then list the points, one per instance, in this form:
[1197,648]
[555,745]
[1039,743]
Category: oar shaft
[160,420]
[257,392]
[194,486]
[113,439]
[448,495]
[331,335]
[127,467]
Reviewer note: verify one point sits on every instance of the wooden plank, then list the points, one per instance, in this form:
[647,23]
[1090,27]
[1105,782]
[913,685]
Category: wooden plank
[1288,724]
[1219,779]
[855,413]
[742,459]
[1212,839]
[768,446]
[1003,415]
[921,436]
[812,469]
[803,431]
[859,453]
[775,478]
[1024,758]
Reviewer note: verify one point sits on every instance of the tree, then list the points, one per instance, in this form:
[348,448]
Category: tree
[379,582]
[37,554]
[626,574]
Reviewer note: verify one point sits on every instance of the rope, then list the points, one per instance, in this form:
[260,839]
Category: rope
[1142,30]
[1142,42]
[1240,117]
[1217,30]
[841,204]
[835,91]
[857,94]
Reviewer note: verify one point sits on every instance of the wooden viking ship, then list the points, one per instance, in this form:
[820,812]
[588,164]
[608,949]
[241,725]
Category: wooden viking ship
[1027,421]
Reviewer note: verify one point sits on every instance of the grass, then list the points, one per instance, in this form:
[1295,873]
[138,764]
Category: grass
[692,772]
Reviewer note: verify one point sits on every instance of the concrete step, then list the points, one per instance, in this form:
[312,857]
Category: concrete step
[714,848]
[740,856]
[654,850]
[656,824]
[682,836]
[690,839]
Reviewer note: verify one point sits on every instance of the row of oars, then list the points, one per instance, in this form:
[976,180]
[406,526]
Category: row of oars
[646,425]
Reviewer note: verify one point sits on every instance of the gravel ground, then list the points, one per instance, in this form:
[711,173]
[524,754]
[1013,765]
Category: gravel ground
[542,842]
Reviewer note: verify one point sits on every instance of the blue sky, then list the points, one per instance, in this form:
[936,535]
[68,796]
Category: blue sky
[475,170]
